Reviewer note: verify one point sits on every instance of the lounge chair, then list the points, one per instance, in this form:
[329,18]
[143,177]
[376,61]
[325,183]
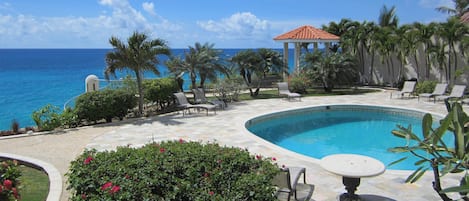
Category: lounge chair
[284,91]
[184,104]
[408,88]
[287,182]
[456,93]
[199,97]
[439,90]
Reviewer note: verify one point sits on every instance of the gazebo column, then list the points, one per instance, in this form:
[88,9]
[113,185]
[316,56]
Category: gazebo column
[297,57]
[327,45]
[285,60]
[315,48]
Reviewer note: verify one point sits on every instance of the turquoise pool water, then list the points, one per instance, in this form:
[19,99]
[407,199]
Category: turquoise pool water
[324,130]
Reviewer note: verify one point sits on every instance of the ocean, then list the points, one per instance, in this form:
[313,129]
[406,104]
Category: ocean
[33,78]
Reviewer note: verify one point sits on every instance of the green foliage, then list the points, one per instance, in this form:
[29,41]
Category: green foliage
[172,170]
[160,91]
[47,118]
[104,104]
[299,83]
[9,180]
[331,69]
[69,118]
[425,87]
[229,89]
[443,158]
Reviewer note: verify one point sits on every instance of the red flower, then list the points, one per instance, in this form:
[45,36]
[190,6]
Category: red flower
[88,160]
[83,196]
[258,157]
[274,159]
[206,174]
[1,188]
[8,184]
[114,189]
[106,186]
[181,140]
[162,150]
[211,192]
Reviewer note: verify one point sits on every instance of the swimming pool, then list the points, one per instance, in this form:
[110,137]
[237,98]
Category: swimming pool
[323,130]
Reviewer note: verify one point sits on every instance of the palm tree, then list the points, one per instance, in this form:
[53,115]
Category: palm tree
[460,7]
[211,63]
[139,55]
[451,32]
[424,35]
[388,18]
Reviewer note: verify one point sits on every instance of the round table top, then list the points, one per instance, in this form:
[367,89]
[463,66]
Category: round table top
[352,165]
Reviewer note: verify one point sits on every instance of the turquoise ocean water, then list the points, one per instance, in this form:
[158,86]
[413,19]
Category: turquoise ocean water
[32,78]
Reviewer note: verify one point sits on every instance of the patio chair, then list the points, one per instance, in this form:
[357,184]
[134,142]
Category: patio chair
[439,90]
[287,182]
[456,93]
[284,91]
[408,88]
[199,97]
[184,104]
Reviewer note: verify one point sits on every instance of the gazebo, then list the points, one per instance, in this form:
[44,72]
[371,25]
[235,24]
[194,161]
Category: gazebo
[304,34]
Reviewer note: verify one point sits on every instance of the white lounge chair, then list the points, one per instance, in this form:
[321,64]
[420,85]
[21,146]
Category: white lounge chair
[284,91]
[408,88]
[439,90]
[184,105]
[456,93]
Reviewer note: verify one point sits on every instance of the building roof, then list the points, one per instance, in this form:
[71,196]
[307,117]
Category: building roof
[307,34]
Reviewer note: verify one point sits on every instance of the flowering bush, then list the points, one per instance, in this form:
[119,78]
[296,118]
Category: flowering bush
[172,170]
[9,174]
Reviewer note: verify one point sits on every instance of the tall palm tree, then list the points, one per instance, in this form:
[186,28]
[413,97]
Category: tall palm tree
[451,32]
[138,55]
[460,7]
[388,18]
[425,33]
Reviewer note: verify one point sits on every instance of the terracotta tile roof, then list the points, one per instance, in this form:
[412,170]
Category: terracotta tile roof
[307,33]
[465,18]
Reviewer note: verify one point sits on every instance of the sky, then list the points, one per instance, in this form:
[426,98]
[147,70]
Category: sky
[182,23]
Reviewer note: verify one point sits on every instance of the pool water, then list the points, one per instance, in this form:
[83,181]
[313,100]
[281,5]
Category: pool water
[317,132]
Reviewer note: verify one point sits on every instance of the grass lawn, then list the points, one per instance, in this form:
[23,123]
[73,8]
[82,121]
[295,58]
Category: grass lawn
[34,184]
[273,93]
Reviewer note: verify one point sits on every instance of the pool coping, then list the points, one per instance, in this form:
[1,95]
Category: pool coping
[55,178]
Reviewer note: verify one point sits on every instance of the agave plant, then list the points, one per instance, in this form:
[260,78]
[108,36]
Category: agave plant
[441,157]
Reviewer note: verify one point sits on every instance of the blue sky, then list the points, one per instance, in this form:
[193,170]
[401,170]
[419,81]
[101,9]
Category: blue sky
[226,23]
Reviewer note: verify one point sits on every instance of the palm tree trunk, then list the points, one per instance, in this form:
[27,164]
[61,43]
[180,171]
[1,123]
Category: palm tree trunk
[138,75]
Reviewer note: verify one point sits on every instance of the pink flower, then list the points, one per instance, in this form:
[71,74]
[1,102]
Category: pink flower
[83,196]
[258,157]
[181,140]
[1,188]
[8,184]
[211,192]
[162,150]
[15,193]
[88,160]
[106,186]
[274,159]
[115,189]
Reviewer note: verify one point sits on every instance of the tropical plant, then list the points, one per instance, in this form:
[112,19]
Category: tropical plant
[9,180]
[160,91]
[330,69]
[442,157]
[172,170]
[253,66]
[460,7]
[139,55]
[47,118]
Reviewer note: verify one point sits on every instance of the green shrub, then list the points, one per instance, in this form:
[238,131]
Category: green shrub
[425,87]
[160,91]
[47,118]
[69,118]
[9,174]
[229,89]
[299,83]
[105,104]
[172,170]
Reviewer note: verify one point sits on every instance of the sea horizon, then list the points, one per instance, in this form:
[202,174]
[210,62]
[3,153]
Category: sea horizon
[35,77]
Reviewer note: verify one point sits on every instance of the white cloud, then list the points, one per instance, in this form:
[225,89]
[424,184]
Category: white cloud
[436,3]
[35,31]
[149,7]
[238,26]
